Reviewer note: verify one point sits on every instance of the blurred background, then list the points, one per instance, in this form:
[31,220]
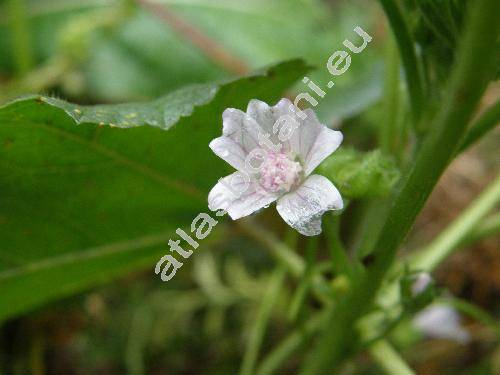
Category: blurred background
[104,51]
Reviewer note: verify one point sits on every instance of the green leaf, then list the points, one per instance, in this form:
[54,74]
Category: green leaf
[91,192]
[358,174]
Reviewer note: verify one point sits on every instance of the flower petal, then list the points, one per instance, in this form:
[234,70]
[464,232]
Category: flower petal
[313,141]
[303,208]
[282,108]
[267,117]
[326,143]
[262,113]
[239,195]
[283,111]
[241,128]
[229,151]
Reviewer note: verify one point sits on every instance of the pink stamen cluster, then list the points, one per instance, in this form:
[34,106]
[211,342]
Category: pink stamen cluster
[279,173]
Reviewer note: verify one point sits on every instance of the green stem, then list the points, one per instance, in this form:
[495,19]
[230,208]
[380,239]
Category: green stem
[457,232]
[474,67]
[388,127]
[388,359]
[469,79]
[488,227]
[20,36]
[258,330]
[406,46]
[486,122]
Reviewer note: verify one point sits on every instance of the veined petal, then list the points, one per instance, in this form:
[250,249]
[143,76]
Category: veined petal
[305,135]
[303,208]
[239,195]
[275,121]
[241,128]
[229,151]
[326,143]
[262,113]
[288,118]
[313,141]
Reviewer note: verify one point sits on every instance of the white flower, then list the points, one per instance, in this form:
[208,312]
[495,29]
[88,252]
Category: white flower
[442,322]
[275,150]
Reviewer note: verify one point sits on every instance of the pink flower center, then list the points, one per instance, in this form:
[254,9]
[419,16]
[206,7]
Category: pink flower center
[279,173]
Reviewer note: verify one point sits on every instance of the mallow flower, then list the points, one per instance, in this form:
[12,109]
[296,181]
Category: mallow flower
[275,151]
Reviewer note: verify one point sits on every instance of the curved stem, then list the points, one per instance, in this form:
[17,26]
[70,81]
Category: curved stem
[486,122]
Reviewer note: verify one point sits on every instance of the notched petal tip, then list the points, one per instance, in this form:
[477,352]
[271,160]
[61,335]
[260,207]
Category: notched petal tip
[283,102]
[256,105]
[232,119]
[283,107]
